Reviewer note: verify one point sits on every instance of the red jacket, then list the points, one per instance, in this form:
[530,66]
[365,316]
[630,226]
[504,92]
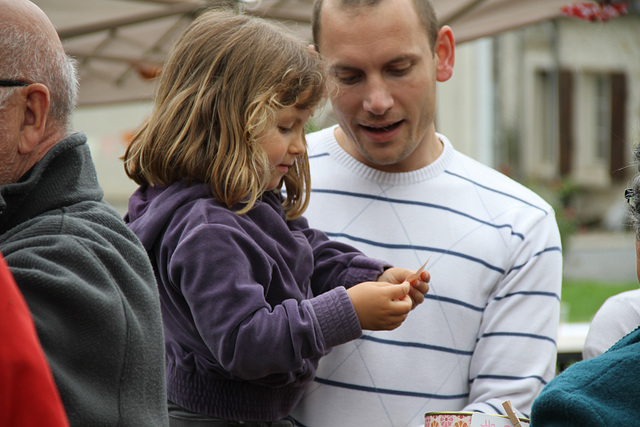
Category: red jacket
[28,394]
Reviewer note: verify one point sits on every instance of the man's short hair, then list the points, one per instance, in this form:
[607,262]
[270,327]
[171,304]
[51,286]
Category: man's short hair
[424,9]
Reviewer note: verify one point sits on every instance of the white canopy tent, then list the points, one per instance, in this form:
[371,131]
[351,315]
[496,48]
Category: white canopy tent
[121,43]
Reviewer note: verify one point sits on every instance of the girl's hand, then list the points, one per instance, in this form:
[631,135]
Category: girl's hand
[419,287]
[380,305]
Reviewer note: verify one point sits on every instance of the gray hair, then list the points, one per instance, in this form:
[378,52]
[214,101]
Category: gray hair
[30,57]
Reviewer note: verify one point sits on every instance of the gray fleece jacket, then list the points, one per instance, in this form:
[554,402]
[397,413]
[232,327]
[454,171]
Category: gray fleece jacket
[90,288]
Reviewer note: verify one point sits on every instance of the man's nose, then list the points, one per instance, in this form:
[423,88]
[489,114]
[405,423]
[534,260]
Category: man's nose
[378,98]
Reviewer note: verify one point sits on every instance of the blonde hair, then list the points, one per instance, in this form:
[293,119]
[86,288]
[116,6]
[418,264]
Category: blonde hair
[220,88]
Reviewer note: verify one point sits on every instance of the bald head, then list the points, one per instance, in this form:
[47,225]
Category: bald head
[29,18]
[31,51]
[40,90]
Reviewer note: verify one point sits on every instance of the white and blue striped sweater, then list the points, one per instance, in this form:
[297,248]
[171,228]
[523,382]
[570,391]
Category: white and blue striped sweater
[486,332]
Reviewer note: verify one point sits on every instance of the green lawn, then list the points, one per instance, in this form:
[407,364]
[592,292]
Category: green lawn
[581,299]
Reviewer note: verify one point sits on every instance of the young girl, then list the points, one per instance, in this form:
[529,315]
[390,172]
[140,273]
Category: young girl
[251,296]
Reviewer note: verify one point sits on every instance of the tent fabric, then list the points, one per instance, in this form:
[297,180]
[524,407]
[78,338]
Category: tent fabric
[119,44]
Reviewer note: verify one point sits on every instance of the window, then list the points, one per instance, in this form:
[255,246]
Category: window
[581,118]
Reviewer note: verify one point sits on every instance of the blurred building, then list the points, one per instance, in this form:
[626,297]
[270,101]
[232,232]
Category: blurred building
[554,105]
[557,107]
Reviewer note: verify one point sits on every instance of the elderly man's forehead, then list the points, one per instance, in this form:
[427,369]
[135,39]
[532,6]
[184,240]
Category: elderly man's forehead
[25,15]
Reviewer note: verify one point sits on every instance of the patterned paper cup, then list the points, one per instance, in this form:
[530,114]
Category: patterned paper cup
[463,419]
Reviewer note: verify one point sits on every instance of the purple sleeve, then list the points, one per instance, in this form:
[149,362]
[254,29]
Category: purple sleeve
[223,276]
[337,263]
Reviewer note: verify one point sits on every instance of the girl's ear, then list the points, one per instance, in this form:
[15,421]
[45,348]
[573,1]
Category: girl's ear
[444,51]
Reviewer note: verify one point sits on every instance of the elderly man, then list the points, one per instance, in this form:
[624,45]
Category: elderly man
[85,277]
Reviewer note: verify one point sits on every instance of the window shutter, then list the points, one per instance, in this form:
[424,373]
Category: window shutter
[565,113]
[618,126]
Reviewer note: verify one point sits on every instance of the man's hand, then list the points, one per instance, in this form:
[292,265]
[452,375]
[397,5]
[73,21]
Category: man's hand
[419,287]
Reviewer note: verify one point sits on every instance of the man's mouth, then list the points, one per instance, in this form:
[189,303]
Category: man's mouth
[382,129]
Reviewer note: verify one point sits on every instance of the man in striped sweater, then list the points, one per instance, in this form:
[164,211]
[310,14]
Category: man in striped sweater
[385,181]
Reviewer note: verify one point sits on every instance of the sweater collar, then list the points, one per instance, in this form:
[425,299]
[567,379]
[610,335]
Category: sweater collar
[389,178]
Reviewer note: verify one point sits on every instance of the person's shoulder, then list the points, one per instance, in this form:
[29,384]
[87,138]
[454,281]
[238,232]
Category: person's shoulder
[622,304]
[616,317]
[95,215]
[207,214]
[88,224]
[483,173]
[494,180]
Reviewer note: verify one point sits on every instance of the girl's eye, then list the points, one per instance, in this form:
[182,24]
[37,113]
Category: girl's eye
[284,129]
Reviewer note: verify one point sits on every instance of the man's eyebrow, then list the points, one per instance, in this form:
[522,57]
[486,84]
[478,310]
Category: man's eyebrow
[402,58]
[338,67]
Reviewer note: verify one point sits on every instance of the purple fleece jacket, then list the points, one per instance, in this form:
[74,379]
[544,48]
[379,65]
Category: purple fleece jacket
[249,302]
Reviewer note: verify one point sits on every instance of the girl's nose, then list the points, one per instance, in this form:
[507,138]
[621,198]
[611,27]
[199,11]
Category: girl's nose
[298,145]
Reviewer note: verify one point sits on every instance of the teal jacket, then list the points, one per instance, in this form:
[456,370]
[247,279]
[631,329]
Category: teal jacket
[602,391]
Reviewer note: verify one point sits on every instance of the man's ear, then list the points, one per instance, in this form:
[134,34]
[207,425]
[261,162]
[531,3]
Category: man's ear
[34,118]
[444,50]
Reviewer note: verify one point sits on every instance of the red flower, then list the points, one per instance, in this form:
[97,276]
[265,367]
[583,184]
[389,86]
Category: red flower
[601,11]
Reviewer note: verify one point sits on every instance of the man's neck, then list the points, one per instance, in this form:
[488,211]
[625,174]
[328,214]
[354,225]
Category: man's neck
[423,155]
